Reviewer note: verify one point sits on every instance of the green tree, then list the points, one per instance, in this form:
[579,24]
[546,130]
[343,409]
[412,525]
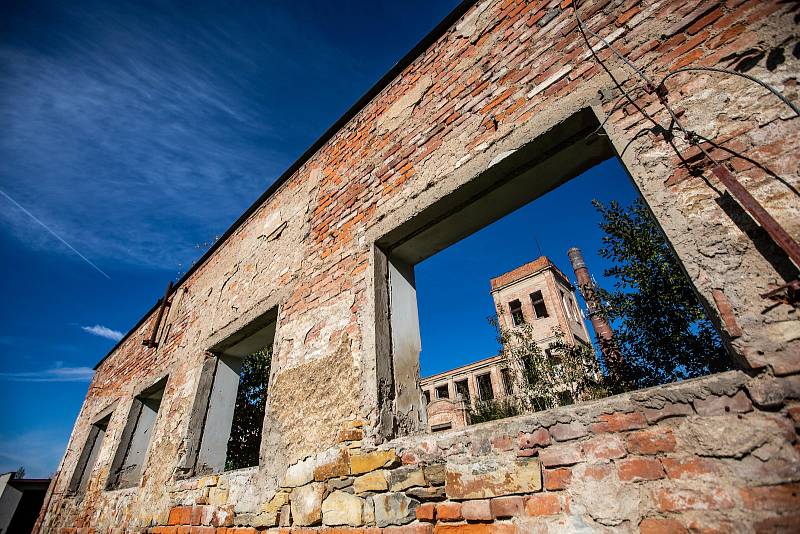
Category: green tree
[248,415]
[661,330]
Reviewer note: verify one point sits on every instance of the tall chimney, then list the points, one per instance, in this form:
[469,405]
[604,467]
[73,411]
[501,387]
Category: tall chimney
[601,327]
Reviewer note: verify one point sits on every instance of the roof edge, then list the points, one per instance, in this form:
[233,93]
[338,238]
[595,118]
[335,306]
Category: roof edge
[425,43]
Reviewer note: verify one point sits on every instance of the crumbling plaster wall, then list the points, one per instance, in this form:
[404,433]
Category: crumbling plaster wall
[506,73]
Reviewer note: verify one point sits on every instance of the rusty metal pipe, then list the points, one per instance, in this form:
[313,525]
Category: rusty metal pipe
[154,333]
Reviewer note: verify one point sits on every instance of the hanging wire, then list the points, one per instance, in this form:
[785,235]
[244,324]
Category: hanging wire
[762,83]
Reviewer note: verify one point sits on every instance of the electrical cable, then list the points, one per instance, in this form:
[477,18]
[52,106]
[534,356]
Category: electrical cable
[762,83]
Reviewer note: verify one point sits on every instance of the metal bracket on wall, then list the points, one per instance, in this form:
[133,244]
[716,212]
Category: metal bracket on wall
[788,292]
[151,341]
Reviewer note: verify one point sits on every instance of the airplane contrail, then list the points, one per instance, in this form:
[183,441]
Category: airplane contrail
[32,216]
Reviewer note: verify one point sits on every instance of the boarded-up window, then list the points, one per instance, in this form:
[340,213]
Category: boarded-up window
[88,457]
[126,469]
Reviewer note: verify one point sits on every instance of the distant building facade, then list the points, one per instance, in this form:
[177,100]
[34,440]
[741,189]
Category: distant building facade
[536,293]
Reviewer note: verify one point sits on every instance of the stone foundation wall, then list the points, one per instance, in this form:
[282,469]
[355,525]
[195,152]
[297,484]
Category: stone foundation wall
[717,454]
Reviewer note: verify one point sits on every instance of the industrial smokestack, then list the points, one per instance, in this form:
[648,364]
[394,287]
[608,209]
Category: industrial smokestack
[601,327]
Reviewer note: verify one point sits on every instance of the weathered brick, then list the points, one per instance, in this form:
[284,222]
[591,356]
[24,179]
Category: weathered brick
[538,438]
[651,441]
[426,512]
[782,498]
[568,431]
[619,422]
[603,447]
[505,507]
[557,479]
[543,504]
[679,499]
[716,405]
[477,510]
[688,467]
[658,525]
[636,469]
[557,455]
[448,511]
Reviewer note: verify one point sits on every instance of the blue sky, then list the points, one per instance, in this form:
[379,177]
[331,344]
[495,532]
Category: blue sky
[138,131]
[454,310]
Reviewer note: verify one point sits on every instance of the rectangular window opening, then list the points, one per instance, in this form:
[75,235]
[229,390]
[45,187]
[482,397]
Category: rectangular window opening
[515,307]
[88,457]
[485,390]
[442,392]
[508,385]
[462,388]
[502,246]
[539,308]
[128,463]
[232,398]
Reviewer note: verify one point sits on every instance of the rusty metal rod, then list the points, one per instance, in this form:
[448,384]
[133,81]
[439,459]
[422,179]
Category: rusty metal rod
[152,341]
[780,236]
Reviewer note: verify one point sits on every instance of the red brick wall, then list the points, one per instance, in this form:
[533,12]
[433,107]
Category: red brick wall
[506,73]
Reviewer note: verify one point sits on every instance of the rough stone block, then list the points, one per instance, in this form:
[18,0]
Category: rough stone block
[372,481]
[335,463]
[341,508]
[299,474]
[492,477]
[393,509]
[427,493]
[403,478]
[369,461]
[306,504]
[434,474]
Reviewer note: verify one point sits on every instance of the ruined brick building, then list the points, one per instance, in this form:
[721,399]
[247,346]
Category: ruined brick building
[502,102]
[537,294]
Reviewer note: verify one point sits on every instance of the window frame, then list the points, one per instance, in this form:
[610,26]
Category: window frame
[198,425]
[87,460]
[129,434]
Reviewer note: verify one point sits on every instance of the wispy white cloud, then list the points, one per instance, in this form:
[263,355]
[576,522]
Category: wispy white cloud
[53,374]
[103,331]
[130,146]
